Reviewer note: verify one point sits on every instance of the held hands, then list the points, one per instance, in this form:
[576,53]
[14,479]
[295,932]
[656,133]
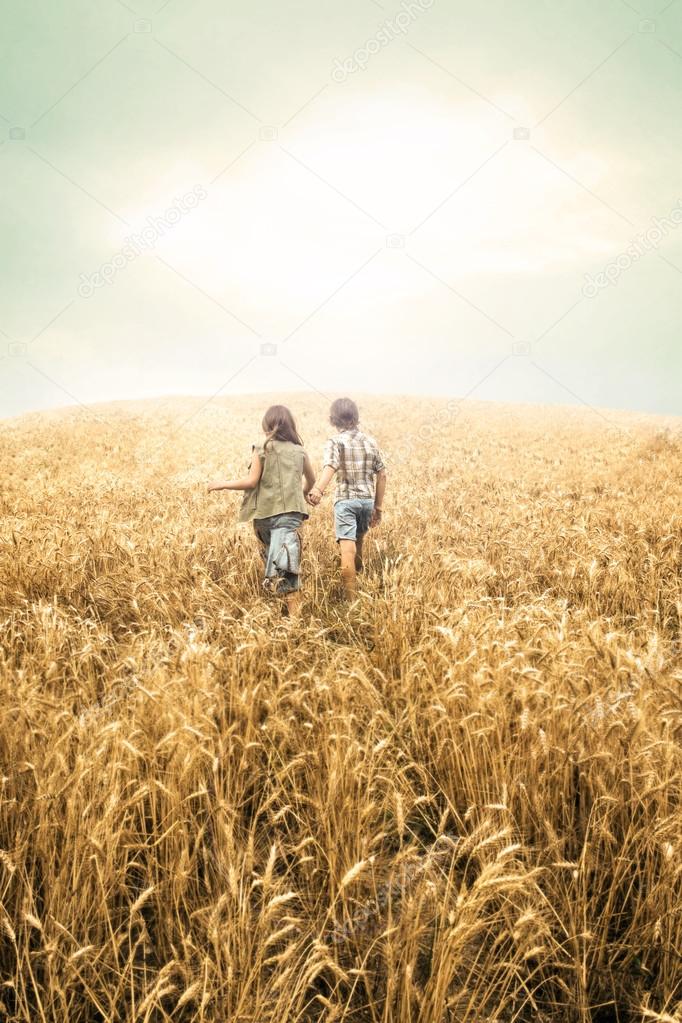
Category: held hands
[314,496]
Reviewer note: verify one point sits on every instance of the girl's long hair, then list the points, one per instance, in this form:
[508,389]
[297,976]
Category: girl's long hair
[279,424]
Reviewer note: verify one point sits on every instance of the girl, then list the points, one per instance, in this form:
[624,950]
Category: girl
[275,501]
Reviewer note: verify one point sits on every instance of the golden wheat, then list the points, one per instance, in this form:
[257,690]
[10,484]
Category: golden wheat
[457,800]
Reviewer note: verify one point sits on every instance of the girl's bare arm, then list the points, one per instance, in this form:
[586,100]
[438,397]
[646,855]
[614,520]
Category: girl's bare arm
[309,475]
[248,483]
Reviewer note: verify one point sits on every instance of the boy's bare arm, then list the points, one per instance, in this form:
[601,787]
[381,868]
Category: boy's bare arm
[316,492]
[247,483]
[379,498]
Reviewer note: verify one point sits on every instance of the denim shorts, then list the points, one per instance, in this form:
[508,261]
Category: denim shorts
[281,550]
[351,518]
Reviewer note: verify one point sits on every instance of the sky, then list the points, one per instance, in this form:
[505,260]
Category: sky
[421,196]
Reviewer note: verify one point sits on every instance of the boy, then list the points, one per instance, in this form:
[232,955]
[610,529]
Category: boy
[360,486]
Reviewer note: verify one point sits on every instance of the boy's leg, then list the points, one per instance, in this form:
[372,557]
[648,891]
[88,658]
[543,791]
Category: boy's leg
[346,526]
[363,517]
[359,564]
[347,549]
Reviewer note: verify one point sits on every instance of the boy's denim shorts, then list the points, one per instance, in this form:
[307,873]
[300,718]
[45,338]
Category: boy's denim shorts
[351,518]
[281,550]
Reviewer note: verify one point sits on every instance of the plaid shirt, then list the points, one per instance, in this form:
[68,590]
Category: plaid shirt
[357,459]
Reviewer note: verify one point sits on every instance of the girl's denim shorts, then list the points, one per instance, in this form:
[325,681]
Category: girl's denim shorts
[281,550]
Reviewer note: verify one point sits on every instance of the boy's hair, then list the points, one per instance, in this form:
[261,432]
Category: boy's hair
[344,414]
[279,424]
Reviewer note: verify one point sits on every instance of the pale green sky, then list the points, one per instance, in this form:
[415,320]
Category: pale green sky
[420,224]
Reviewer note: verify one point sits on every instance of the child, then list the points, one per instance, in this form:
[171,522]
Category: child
[276,502]
[360,486]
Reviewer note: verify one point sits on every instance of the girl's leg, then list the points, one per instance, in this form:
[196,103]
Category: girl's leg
[286,561]
[294,604]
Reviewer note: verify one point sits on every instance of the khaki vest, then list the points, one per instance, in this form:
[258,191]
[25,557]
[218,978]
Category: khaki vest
[280,488]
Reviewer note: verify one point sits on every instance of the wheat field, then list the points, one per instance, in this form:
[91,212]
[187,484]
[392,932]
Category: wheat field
[456,800]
